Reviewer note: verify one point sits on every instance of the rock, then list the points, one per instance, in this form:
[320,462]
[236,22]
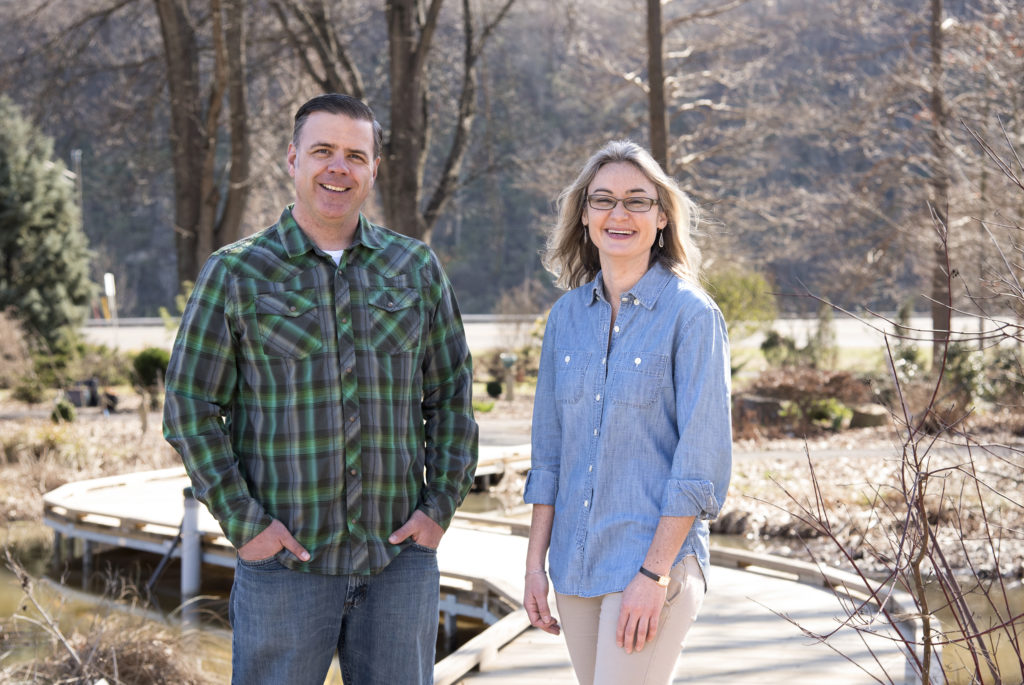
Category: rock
[869,415]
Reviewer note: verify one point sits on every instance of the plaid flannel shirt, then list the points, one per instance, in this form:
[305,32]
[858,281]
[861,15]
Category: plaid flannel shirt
[336,399]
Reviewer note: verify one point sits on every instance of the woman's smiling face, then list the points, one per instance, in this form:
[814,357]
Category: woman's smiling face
[621,236]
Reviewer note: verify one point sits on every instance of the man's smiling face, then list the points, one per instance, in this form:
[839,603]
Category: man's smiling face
[333,167]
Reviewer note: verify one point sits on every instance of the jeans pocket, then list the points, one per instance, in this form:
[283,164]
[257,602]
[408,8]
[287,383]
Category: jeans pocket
[423,548]
[268,564]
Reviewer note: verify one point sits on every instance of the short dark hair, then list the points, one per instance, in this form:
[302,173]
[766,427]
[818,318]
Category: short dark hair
[339,103]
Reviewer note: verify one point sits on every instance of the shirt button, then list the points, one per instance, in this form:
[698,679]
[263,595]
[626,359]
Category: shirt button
[637,361]
[586,503]
[625,298]
[590,468]
[344,320]
[597,397]
[616,329]
[292,308]
[351,419]
[567,357]
[604,360]
[348,370]
[352,472]
[595,431]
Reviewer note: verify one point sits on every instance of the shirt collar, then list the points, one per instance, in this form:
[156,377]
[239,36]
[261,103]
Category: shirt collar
[646,290]
[297,243]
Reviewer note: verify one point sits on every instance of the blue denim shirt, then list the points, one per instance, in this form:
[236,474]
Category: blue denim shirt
[628,431]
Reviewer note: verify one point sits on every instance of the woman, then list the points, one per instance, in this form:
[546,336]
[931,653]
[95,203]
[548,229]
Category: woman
[632,446]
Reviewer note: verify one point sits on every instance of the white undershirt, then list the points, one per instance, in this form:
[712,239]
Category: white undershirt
[335,255]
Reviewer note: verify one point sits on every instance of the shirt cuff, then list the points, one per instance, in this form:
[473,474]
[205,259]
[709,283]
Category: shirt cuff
[541,487]
[689,498]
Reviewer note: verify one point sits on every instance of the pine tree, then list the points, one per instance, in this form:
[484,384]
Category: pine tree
[44,256]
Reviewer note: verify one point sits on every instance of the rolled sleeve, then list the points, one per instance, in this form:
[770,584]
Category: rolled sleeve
[546,432]
[690,498]
[702,463]
[541,487]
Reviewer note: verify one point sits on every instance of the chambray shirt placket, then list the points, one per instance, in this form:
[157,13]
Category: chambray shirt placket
[594,384]
[358,551]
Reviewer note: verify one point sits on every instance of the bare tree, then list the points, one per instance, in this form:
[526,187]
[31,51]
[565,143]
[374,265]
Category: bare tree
[208,212]
[941,293]
[412,25]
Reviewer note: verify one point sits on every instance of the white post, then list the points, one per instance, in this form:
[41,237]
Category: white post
[191,560]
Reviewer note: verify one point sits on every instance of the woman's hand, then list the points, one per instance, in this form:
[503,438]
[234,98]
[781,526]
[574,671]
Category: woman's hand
[535,599]
[642,601]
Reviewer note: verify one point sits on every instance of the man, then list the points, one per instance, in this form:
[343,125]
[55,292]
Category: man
[319,394]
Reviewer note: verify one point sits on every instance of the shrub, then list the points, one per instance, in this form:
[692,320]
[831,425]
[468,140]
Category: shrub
[150,366]
[29,389]
[745,299]
[63,411]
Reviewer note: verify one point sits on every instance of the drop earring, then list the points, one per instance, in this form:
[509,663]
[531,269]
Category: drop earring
[661,238]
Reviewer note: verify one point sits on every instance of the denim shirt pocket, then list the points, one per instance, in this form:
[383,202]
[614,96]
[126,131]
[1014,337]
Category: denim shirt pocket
[570,372]
[394,319]
[289,323]
[638,379]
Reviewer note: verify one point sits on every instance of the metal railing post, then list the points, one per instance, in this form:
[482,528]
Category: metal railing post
[191,560]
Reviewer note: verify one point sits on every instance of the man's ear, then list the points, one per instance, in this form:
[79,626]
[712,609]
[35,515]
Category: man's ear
[292,152]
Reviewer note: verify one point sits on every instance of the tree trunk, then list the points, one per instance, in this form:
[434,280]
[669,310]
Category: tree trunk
[941,293]
[186,137]
[204,217]
[405,151]
[656,85]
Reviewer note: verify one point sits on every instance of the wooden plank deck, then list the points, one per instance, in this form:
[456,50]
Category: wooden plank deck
[738,637]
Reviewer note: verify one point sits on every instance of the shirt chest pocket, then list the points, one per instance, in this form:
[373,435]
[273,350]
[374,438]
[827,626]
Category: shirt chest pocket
[638,381]
[289,323]
[394,319]
[570,373]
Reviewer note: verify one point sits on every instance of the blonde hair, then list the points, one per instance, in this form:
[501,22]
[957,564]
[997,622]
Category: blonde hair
[572,257]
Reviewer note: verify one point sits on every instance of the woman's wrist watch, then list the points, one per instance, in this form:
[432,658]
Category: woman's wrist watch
[660,580]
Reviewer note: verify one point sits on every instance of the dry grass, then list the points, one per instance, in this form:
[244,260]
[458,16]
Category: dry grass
[37,456]
[113,646]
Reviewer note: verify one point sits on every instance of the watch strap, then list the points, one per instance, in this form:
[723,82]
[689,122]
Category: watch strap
[660,580]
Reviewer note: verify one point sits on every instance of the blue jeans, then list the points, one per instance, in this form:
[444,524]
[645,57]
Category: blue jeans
[286,625]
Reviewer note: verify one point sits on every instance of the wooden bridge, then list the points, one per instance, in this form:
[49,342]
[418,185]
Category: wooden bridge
[750,630]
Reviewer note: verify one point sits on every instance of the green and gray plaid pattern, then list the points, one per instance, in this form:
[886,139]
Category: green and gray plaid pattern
[336,399]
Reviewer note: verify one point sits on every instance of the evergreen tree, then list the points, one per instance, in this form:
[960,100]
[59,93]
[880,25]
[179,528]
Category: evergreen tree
[44,256]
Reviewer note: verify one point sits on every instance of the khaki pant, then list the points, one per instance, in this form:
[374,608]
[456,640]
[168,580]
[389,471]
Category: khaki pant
[589,626]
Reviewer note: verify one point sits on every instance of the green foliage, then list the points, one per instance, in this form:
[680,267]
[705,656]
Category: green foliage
[829,413]
[745,299]
[482,407]
[779,350]
[1006,377]
[107,366]
[150,365]
[820,352]
[180,300]
[29,389]
[965,373]
[63,411]
[44,270]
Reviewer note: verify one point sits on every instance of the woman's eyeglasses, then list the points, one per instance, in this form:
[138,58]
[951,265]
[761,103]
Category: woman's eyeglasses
[606,203]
